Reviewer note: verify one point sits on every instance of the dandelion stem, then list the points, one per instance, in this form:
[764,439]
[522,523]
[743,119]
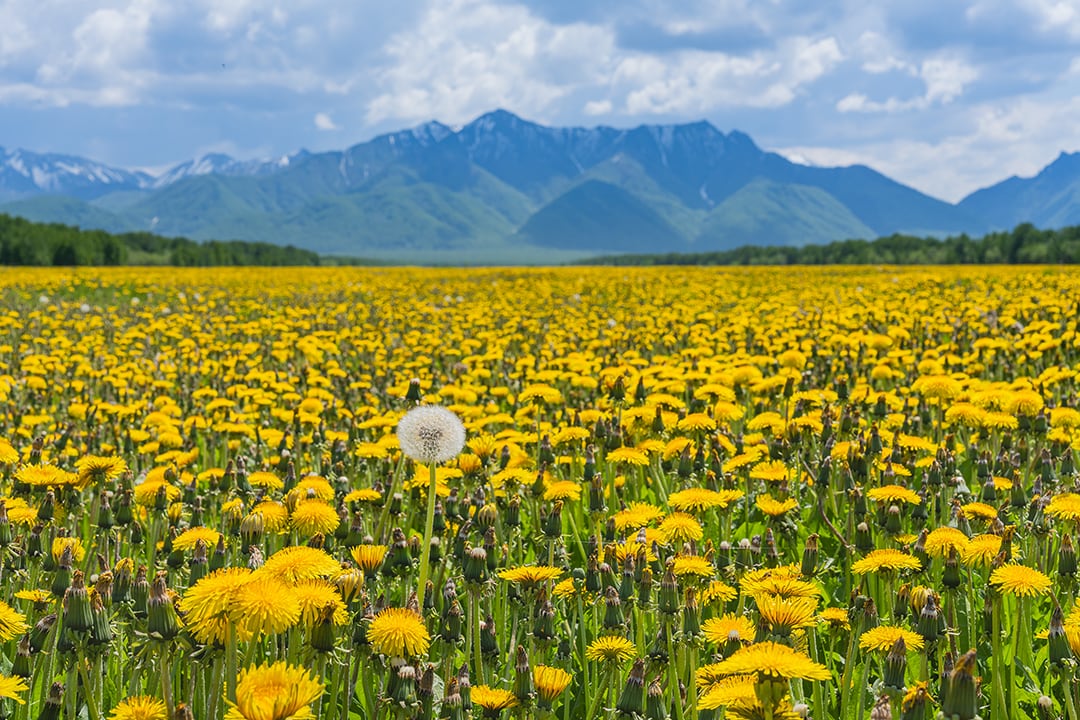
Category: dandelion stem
[429,526]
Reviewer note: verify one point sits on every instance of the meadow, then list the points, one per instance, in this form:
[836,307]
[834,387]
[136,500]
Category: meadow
[577,493]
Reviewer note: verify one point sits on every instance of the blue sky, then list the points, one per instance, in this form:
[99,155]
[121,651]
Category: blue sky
[945,96]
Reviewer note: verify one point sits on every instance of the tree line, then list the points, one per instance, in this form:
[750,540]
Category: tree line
[23,242]
[1025,244]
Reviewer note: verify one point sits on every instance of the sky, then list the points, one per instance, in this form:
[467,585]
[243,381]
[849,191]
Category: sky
[945,96]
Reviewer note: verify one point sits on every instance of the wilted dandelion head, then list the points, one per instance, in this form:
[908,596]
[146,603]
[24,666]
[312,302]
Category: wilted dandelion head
[431,434]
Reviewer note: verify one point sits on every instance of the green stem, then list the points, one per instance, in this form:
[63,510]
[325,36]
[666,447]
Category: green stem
[673,674]
[997,700]
[230,663]
[429,525]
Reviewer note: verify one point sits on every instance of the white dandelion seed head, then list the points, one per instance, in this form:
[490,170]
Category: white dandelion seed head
[431,434]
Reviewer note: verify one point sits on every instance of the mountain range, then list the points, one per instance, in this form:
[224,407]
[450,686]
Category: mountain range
[505,188]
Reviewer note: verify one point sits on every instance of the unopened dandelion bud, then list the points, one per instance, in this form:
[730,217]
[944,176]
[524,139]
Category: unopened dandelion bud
[121,586]
[489,641]
[77,616]
[553,523]
[745,554]
[475,569]
[544,623]
[22,665]
[632,700]
[613,614]
[162,621]
[252,528]
[198,565]
[1060,653]
[217,558]
[452,623]
[524,688]
[668,597]
[658,649]
[100,630]
[465,687]
[403,691]
[896,666]
[492,550]
[950,574]
[62,578]
[40,632]
[54,703]
[810,556]
[451,704]
[323,634]
[47,508]
[903,601]
[656,705]
[513,513]
[691,615]
[1067,557]
[183,712]
[138,535]
[961,702]
[864,541]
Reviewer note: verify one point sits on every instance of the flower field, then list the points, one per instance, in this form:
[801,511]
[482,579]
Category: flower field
[677,493]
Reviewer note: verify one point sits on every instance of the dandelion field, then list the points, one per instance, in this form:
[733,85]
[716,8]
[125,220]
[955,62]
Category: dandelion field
[838,493]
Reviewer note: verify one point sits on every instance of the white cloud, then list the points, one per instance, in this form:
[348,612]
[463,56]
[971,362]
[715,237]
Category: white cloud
[598,107]
[944,79]
[468,56]
[324,122]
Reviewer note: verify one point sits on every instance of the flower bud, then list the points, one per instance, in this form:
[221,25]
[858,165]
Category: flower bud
[632,700]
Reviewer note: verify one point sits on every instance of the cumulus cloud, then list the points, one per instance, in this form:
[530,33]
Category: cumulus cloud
[944,80]
[325,122]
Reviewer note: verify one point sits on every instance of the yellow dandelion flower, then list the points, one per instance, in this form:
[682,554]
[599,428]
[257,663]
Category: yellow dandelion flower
[550,682]
[717,591]
[1065,506]
[696,422]
[940,540]
[398,632]
[299,562]
[10,687]
[979,510]
[530,575]
[883,637]
[773,507]
[836,618]
[8,454]
[275,515]
[493,700]
[636,515]
[611,648]
[894,494]
[275,692]
[562,490]
[981,550]
[368,557]
[265,479]
[727,627]
[770,471]
[139,707]
[266,605]
[1015,579]
[628,455]
[680,528]
[785,615]
[887,560]
[363,495]
[12,622]
[98,469]
[314,516]
[317,597]
[693,565]
[698,499]
[772,660]
[209,606]
[187,539]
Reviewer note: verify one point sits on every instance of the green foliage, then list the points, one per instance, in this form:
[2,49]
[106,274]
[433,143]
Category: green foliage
[27,243]
[1025,244]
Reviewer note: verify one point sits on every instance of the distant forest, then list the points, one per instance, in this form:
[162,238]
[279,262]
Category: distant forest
[28,243]
[1024,245]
